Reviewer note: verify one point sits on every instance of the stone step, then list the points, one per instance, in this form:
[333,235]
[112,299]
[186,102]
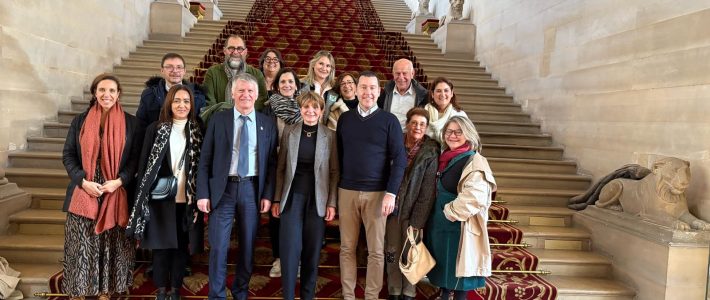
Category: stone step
[162,50]
[27,248]
[36,159]
[522,139]
[518,151]
[476,115]
[573,263]
[157,56]
[34,276]
[536,196]
[35,177]
[454,70]
[586,288]
[56,129]
[458,80]
[490,106]
[545,181]
[555,237]
[532,166]
[540,216]
[482,97]
[149,64]
[47,198]
[41,143]
[38,222]
[473,88]
[426,51]
[465,75]
[176,46]
[507,127]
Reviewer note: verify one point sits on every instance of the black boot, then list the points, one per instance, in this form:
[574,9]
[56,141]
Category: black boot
[174,294]
[405,297]
[161,294]
[394,297]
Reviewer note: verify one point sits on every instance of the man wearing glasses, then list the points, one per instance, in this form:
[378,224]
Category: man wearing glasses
[402,92]
[172,71]
[218,79]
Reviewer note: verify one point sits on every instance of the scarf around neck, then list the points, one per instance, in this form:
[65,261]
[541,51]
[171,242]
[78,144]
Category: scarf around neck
[449,154]
[285,108]
[114,208]
[140,215]
[230,74]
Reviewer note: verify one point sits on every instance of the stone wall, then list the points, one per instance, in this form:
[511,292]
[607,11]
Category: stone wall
[49,52]
[614,82]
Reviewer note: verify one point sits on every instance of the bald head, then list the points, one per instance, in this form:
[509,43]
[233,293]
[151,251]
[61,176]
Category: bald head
[403,72]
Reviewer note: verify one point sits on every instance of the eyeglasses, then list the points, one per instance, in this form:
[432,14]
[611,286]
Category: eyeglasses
[347,83]
[270,60]
[416,124]
[239,49]
[449,132]
[174,68]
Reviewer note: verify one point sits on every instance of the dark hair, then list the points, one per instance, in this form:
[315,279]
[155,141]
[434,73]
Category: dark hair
[234,36]
[266,52]
[171,55]
[418,111]
[368,74]
[95,83]
[166,112]
[310,97]
[340,78]
[275,84]
[432,87]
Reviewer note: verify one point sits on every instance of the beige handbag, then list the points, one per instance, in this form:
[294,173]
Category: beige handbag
[415,261]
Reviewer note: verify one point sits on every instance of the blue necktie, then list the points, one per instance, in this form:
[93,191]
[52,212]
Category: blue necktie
[243,162]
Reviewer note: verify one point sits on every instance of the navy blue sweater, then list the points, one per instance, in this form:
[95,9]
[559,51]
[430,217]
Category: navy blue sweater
[371,151]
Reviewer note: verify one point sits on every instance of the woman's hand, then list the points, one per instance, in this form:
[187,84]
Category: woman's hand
[111,185]
[276,209]
[91,188]
[329,213]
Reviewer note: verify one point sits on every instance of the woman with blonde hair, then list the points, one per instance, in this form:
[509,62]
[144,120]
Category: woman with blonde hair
[457,236]
[100,155]
[321,73]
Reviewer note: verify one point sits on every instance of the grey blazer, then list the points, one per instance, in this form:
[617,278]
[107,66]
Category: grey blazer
[326,166]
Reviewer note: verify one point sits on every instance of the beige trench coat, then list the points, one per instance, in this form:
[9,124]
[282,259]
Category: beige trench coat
[471,209]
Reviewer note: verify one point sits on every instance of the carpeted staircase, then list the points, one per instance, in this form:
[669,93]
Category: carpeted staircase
[534,178]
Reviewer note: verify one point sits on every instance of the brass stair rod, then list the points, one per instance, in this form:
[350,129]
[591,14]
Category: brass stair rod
[541,272]
[504,221]
[523,245]
[149,296]
[498,201]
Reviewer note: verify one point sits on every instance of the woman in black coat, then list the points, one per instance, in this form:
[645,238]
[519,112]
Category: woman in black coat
[170,226]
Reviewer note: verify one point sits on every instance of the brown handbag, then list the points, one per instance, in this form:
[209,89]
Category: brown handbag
[415,261]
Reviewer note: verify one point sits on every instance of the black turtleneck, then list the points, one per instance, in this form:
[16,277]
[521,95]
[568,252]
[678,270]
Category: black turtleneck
[304,177]
[351,104]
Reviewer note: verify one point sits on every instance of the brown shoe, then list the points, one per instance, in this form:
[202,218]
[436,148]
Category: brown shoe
[104,297]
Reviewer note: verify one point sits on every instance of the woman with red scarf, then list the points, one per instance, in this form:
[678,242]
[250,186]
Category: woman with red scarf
[100,155]
[457,234]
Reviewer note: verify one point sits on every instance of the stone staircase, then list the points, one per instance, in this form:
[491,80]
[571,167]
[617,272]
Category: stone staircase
[235,10]
[534,178]
[394,14]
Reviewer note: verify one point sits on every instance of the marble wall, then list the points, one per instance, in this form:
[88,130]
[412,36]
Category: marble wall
[49,52]
[614,82]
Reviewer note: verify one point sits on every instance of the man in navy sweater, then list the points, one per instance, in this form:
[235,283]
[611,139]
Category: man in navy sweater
[372,163]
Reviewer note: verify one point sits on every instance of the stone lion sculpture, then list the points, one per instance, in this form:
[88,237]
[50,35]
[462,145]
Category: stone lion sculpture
[659,197]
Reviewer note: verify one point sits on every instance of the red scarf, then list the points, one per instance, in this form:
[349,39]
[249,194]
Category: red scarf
[114,209]
[449,154]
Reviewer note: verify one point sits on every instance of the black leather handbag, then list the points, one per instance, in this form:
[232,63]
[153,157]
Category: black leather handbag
[166,187]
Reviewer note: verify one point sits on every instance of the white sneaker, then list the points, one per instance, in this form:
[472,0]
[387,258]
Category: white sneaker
[298,273]
[275,269]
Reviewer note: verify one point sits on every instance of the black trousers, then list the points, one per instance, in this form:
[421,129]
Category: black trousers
[169,264]
[302,231]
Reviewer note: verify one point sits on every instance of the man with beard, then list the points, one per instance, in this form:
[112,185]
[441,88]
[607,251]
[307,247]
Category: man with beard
[402,92]
[217,83]
[172,71]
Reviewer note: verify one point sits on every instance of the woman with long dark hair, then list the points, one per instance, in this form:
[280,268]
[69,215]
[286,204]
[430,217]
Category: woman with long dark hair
[100,155]
[169,223]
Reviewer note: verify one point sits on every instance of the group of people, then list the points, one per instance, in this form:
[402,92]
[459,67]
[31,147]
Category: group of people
[259,140]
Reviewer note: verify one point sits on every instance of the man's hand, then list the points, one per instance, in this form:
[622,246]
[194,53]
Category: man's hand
[203,205]
[111,185]
[91,188]
[387,205]
[276,210]
[265,205]
[329,213]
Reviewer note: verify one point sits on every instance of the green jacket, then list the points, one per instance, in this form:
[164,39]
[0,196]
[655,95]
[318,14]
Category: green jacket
[216,82]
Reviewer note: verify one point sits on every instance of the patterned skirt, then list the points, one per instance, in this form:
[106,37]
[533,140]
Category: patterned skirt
[96,263]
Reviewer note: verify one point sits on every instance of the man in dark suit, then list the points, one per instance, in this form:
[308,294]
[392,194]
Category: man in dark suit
[237,168]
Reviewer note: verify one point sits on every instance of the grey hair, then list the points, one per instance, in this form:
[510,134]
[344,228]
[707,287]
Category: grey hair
[468,129]
[245,77]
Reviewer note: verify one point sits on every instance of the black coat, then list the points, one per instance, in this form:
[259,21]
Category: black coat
[71,157]
[417,193]
[160,230]
[153,97]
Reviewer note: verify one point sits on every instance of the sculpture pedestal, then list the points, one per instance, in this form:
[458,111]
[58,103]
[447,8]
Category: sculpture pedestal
[656,261]
[12,200]
[456,37]
[212,11]
[170,20]
[415,25]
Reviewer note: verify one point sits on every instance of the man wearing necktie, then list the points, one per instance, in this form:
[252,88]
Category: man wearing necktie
[236,181]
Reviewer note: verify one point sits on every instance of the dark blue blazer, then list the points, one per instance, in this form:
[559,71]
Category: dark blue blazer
[216,155]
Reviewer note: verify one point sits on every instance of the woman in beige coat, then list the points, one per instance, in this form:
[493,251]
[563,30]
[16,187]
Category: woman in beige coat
[457,234]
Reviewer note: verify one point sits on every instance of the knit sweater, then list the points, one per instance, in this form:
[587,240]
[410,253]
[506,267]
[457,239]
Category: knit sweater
[371,151]
[215,85]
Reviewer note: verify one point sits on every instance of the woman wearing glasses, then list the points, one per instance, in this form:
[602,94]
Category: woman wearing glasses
[270,62]
[346,99]
[457,236]
[442,106]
